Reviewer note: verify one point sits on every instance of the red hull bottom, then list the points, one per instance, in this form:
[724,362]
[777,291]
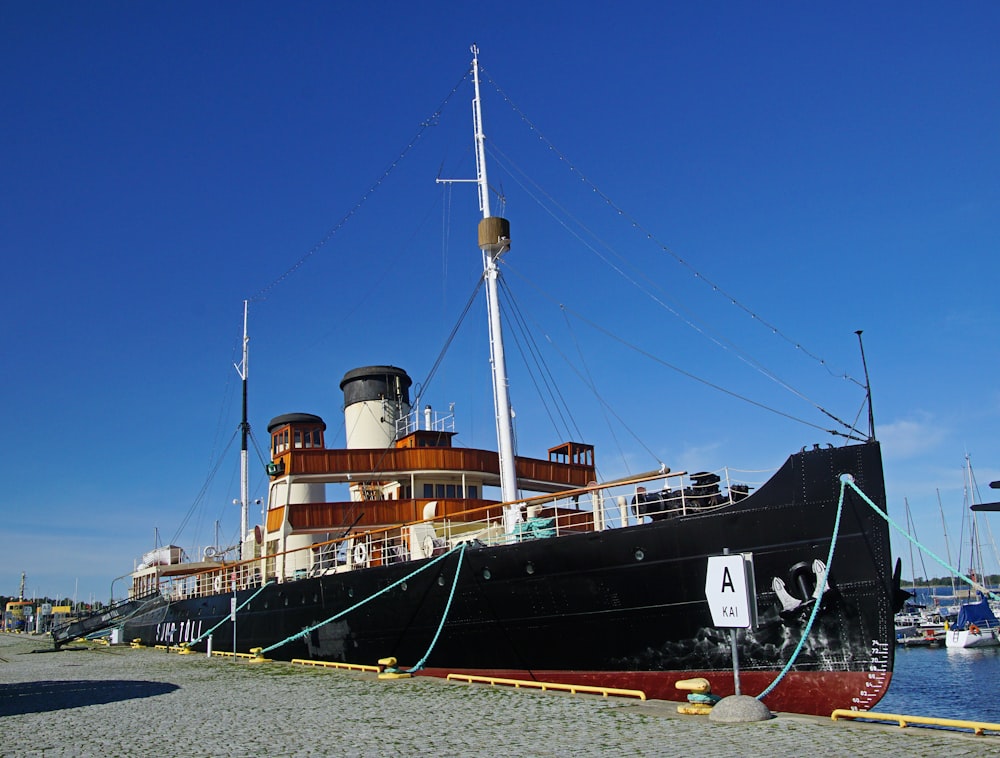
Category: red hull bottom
[817,693]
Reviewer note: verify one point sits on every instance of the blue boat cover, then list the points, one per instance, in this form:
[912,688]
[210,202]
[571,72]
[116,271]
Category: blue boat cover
[976,613]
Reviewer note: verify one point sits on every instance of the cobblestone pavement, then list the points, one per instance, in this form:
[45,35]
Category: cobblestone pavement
[90,700]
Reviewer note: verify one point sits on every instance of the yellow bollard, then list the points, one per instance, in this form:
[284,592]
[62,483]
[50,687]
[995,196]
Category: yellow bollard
[694,709]
[700,697]
[390,671]
[258,655]
[699,685]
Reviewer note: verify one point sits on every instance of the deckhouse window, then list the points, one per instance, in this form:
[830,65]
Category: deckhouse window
[289,438]
[279,442]
[433,442]
[449,490]
[271,549]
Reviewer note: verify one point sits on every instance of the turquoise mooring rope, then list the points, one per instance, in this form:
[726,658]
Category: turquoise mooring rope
[819,596]
[382,591]
[458,569]
[921,546]
[225,618]
[844,483]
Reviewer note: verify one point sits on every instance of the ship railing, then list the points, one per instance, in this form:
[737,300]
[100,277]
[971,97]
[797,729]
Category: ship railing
[706,490]
[622,503]
[426,419]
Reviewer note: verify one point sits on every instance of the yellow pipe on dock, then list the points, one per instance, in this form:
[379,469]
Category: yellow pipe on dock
[574,688]
[979,727]
[336,665]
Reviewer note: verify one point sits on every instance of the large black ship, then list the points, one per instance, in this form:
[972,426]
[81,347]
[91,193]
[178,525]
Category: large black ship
[561,579]
[584,590]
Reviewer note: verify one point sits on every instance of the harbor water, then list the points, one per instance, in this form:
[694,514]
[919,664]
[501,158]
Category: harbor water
[940,681]
[955,683]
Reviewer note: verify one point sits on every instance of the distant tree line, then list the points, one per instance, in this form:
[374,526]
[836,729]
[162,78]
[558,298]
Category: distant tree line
[991,580]
[80,607]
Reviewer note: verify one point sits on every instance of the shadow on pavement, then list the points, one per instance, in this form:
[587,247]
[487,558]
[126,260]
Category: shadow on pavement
[47,696]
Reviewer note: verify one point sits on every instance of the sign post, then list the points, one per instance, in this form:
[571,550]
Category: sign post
[729,589]
[232,617]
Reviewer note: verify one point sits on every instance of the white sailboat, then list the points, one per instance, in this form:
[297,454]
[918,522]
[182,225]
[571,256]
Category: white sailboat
[977,625]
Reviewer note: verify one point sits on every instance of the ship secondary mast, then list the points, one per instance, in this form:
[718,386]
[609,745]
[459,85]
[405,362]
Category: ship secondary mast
[241,369]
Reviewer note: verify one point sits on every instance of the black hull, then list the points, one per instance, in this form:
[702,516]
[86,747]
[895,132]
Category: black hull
[624,607]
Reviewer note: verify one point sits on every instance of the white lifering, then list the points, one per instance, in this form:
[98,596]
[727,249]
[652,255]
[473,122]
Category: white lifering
[361,553]
[428,546]
[217,584]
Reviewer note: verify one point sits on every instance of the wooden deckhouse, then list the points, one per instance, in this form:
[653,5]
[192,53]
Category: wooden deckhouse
[399,467]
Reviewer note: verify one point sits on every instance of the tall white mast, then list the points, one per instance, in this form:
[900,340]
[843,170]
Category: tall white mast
[244,433]
[494,241]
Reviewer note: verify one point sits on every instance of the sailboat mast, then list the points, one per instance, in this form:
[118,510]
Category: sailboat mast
[911,529]
[976,551]
[244,433]
[494,241]
[947,547]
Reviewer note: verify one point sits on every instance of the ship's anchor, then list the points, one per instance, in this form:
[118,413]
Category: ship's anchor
[802,575]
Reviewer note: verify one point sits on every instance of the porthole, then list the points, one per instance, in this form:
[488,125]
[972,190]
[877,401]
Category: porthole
[441,580]
[529,567]
[403,586]
[639,554]
[486,573]
[350,592]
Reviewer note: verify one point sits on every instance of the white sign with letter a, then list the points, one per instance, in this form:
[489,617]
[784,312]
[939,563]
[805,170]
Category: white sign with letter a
[729,589]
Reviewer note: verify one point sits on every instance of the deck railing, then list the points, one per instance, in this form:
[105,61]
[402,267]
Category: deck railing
[623,503]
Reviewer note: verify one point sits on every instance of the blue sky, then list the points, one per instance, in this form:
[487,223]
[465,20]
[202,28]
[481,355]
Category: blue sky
[831,167]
